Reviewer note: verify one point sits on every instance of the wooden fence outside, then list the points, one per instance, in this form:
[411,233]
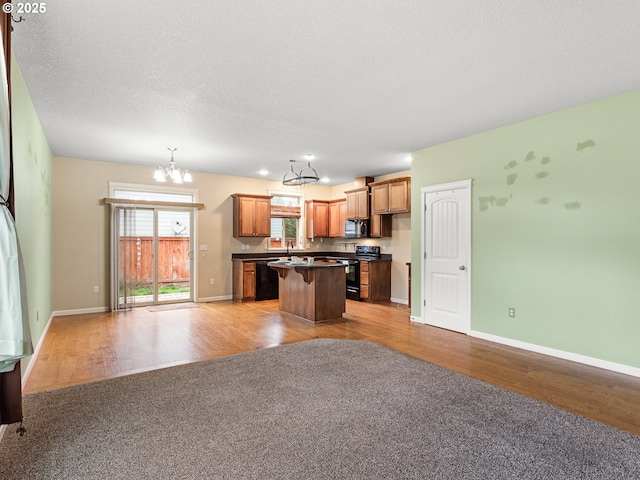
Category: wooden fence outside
[173,259]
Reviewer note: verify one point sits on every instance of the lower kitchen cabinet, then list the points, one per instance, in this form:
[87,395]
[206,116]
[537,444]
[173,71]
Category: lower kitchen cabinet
[244,281]
[375,280]
[254,280]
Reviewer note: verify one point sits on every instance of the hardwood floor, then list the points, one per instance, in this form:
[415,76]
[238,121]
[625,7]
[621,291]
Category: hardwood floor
[85,348]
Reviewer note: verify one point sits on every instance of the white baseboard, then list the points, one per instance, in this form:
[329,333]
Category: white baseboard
[214,299]
[574,357]
[416,319]
[79,311]
[402,301]
[32,358]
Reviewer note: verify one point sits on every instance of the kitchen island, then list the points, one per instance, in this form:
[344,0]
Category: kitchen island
[314,291]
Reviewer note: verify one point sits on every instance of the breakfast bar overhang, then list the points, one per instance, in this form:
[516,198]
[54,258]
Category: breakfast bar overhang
[314,291]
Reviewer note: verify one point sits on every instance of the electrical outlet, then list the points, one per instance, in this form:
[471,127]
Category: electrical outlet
[96,289]
[512,312]
[212,281]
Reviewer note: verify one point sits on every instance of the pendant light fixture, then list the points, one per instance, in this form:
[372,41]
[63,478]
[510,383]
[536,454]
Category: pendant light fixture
[304,176]
[172,172]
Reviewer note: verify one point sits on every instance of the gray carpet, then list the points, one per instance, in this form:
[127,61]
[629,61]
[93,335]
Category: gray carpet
[322,409]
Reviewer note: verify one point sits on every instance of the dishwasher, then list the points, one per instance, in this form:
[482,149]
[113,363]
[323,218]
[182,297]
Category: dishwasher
[266,281]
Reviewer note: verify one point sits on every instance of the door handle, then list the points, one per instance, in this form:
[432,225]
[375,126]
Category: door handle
[462,267]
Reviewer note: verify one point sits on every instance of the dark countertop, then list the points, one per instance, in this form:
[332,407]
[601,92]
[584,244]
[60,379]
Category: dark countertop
[305,265]
[252,257]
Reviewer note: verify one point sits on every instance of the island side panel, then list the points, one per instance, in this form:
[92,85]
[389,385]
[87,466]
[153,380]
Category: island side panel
[330,293]
[296,296]
[315,293]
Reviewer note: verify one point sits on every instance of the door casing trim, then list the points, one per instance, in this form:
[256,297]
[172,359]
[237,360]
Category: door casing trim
[442,187]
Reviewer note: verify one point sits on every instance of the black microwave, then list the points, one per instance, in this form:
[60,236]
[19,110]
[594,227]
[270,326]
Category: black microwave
[356,228]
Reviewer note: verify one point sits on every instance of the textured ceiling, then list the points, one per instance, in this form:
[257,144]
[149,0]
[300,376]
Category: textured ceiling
[242,85]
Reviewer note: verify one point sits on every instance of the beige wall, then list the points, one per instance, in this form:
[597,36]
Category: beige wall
[81,228]
[399,245]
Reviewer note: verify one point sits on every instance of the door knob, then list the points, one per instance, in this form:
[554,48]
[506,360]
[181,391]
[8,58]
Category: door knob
[462,267]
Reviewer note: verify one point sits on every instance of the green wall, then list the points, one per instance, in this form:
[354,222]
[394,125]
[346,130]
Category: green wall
[33,168]
[555,227]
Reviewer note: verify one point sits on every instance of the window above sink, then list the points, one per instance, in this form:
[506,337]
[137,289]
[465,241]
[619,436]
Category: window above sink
[286,213]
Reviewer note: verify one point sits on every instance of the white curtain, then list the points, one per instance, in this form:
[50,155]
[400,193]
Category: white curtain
[15,338]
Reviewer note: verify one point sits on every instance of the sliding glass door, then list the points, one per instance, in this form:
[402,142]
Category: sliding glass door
[133,257]
[174,255]
[152,256]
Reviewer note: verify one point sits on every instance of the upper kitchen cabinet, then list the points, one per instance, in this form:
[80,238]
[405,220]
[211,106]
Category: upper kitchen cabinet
[337,217]
[317,213]
[391,196]
[251,215]
[358,203]
[379,226]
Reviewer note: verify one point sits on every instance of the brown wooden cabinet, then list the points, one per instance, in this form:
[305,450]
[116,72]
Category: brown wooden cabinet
[391,196]
[379,226]
[375,280]
[364,280]
[251,215]
[249,280]
[244,281]
[337,217]
[358,203]
[317,214]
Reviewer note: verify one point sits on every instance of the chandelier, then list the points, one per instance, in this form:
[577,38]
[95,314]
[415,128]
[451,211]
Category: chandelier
[303,176]
[175,174]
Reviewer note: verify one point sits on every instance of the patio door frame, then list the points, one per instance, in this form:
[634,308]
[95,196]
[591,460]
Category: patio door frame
[155,207]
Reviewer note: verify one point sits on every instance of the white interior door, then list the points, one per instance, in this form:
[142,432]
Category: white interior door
[446,256]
